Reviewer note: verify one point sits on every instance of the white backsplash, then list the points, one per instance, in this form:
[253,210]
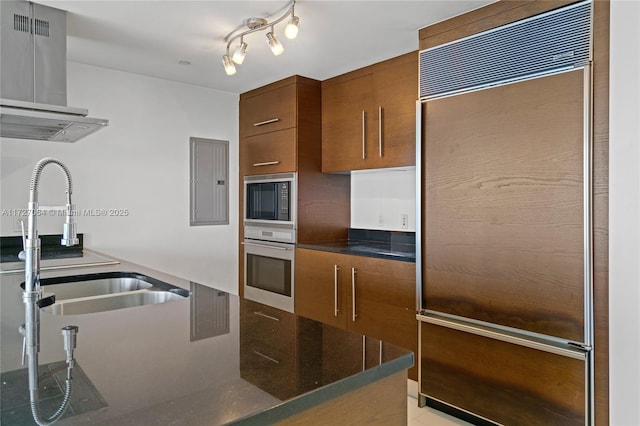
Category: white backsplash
[380,198]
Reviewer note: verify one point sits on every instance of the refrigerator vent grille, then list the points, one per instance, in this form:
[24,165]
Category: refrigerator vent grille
[22,23]
[552,41]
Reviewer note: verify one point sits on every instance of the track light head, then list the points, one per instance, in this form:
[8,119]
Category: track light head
[229,68]
[291,30]
[240,53]
[274,44]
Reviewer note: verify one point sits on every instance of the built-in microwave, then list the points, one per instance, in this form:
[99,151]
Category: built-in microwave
[270,207]
[269,273]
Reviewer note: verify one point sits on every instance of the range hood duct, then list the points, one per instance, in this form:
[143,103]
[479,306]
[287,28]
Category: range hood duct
[33,76]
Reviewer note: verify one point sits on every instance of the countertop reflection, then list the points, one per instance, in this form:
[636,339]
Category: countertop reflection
[187,361]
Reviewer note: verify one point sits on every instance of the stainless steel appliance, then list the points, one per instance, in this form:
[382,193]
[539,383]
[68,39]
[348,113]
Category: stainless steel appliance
[34,76]
[269,274]
[270,236]
[270,207]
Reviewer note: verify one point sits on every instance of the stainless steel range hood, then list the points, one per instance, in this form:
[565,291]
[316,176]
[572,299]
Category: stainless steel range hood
[33,76]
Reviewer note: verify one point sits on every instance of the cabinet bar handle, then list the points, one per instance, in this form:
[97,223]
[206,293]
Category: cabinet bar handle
[380,132]
[353,294]
[364,352]
[267,163]
[262,123]
[364,153]
[380,353]
[262,314]
[336,268]
[266,357]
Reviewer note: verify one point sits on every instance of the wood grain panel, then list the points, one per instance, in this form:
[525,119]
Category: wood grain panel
[314,291]
[323,199]
[385,300]
[342,134]
[509,384]
[278,104]
[279,147]
[396,90]
[601,208]
[483,19]
[504,205]
[385,92]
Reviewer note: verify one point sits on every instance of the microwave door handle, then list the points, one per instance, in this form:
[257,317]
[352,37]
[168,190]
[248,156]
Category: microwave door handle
[265,246]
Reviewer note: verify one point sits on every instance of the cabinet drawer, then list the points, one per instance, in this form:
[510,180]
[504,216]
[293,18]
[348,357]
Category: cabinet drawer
[269,112]
[273,152]
[501,381]
[267,326]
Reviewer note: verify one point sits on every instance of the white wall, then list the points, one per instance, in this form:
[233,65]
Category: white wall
[140,162]
[624,214]
[380,197]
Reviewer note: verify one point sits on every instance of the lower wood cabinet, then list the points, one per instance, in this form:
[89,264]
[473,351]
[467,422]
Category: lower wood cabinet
[502,381]
[371,296]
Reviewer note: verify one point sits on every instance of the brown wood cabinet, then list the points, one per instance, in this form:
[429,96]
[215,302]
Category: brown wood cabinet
[371,296]
[501,381]
[368,116]
[280,131]
[269,110]
[268,125]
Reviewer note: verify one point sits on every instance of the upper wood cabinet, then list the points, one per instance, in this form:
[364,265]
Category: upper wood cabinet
[370,296]
[272,118]
[272,152]
[368,116]
[269,110]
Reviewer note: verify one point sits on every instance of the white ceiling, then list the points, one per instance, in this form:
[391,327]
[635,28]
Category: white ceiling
[149,37]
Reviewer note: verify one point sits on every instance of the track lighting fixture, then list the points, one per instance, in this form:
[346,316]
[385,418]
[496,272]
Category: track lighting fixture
[259,24]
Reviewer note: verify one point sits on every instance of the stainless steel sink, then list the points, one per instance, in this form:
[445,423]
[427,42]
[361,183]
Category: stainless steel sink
[90,293]
[95,287]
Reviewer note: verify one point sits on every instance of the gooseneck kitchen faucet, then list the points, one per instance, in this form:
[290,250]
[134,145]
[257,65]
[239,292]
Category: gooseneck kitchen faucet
[32,294]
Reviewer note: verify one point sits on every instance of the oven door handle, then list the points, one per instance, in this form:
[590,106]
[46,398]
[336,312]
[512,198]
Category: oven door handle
[266,246]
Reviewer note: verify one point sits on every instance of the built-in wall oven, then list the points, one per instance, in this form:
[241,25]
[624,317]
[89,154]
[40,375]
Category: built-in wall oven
[268,273]
[270,236]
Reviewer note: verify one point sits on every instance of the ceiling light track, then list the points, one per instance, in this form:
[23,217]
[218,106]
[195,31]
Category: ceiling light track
[260,24]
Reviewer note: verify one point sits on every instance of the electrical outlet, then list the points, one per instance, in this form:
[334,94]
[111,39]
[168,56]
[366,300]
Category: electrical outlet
[404,221]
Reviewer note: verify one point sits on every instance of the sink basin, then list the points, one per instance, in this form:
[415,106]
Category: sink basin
[111,303]
[90,293]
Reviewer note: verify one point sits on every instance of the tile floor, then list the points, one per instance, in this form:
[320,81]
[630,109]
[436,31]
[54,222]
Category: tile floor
[427,416]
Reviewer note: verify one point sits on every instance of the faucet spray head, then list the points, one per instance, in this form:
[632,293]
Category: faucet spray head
[69,336]
[69,233]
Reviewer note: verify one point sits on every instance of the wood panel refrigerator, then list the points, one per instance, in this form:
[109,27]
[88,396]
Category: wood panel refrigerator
[504,257]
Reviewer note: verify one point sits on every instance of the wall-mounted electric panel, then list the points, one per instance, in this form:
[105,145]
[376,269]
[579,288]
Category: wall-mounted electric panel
[209,182]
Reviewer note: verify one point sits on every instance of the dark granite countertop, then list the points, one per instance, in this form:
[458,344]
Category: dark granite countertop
[154,364]
[393,245]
